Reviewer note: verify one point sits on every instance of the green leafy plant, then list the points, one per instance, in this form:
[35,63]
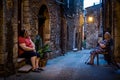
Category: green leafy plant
[43,50]
[40,48]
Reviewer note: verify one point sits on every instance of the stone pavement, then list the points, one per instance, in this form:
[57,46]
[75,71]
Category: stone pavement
[71,67]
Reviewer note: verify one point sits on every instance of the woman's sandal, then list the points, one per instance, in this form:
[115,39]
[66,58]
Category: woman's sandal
[40,69]
[35,70]
[90,63]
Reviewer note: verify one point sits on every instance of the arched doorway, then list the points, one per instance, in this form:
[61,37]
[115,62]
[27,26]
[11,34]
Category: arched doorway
[43,24]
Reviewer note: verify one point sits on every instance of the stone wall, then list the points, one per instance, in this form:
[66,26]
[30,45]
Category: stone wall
[55,26]
[117,30]
[29,20]
[9,29]
[111,22]
[54,18]
[73,10]
[1,39]
[25,14]
[70,28]
[8,50]
[91,36]
[92,27]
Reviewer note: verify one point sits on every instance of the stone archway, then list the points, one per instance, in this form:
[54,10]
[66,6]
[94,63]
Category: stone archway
[43,24]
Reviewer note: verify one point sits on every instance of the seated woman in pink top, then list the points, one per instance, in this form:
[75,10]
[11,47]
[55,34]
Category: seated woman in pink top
[27,50]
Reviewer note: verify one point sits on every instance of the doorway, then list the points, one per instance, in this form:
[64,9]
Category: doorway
[19,15]
[43,24]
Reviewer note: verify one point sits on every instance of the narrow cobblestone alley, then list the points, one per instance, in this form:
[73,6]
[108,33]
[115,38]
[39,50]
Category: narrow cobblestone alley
[71,67]
[51,28]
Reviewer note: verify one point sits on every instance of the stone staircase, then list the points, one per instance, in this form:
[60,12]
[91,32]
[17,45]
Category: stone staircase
[22,66]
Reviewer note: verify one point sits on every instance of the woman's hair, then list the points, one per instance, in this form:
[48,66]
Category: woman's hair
[108,34]
[22,32]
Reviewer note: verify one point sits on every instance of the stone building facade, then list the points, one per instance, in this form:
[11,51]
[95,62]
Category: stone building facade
[37,16]
[93,25]
[44,17]
[73,11]
[111,23]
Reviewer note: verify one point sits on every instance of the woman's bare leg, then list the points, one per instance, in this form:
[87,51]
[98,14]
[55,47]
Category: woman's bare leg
[37,62]
[33,62]
[92,56]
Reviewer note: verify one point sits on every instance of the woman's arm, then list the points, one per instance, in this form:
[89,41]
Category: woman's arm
[102,45]
[24,47]
[33,45]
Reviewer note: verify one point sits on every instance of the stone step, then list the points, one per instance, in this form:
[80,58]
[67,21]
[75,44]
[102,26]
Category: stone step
[25,68]
[20,62]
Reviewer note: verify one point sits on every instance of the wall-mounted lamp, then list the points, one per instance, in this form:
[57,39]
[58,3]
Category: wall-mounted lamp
[90,19]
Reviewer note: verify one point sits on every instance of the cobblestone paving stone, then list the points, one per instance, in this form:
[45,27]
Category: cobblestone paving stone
[71,67]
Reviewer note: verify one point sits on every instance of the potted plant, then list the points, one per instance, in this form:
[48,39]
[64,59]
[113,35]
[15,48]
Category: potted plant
[43,54]
[42,50]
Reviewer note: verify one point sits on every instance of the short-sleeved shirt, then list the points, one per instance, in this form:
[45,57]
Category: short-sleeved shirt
[27,43]
[107,44]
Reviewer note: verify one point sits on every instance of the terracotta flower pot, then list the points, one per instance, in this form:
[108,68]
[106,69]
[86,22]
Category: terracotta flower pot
[43,62]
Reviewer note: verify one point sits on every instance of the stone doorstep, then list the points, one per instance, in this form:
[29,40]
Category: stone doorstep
[20,60]
[25,68]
